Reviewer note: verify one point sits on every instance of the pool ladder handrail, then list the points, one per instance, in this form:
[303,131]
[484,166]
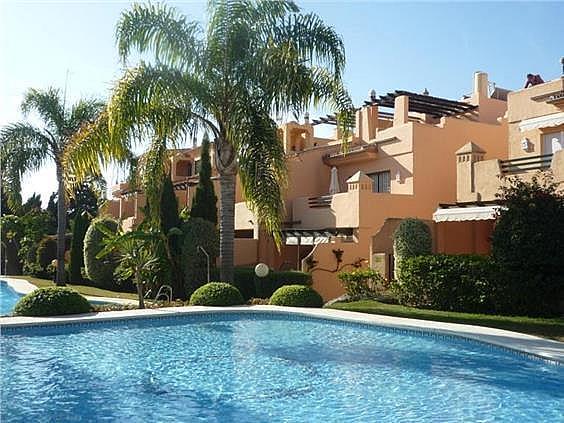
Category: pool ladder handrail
[168,294]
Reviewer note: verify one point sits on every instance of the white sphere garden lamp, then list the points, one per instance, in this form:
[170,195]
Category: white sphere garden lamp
[261,270]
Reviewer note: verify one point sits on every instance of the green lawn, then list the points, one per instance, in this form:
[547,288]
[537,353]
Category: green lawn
[84,290]
[546,327]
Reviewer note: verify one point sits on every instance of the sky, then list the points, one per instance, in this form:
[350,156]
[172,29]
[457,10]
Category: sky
[389,45]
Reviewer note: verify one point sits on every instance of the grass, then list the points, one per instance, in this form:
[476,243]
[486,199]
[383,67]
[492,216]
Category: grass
[552,328]
[82,289]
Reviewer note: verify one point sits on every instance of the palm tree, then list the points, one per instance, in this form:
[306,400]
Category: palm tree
[25,148]
[254,59]
[140,256]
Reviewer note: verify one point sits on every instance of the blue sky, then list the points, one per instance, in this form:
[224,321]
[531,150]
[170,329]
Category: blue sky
[411,46]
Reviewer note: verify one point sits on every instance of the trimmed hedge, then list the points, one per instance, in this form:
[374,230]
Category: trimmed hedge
[100,271]
[412,238]
[216,294]
[296,296]
[447,282]
[52,301]
[362,283]
[198,232]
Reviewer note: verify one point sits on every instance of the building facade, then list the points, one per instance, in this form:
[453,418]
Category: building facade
[342,207]
[535,143]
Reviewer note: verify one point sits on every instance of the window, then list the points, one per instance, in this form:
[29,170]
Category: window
[553,142]
[184,168]
[381,181]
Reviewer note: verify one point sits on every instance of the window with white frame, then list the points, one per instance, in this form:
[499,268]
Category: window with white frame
[381,181]
[552,142]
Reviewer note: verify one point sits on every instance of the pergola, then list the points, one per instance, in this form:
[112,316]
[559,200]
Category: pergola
[418,103]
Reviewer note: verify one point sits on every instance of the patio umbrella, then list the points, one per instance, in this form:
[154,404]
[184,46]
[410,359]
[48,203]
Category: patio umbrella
[334,185]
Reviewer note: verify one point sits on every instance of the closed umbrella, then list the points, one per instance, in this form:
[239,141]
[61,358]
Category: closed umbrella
[334,185]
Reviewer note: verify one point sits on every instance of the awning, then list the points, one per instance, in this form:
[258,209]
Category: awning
[462,214]
[313,236]
[547,121]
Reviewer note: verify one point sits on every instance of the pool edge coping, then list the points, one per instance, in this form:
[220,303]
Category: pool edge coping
[546,349]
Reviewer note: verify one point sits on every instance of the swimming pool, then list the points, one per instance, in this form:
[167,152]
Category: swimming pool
[8,298]
[266,367]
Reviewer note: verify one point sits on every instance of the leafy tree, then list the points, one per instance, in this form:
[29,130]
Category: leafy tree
[205,201]
[31,204]
[412,238]
[25,148]
[528,247]
[251,61]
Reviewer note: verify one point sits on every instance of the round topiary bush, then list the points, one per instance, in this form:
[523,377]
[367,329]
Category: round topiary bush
[296,296]
[99,270]
[216,294]
[52,301]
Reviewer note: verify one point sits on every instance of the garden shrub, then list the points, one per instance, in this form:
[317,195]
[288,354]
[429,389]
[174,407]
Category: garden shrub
[296,296]
[52,301]
[198,232]
[411,238]
[528,248]
[362,283]
[100,270]
[446,282]
[216,294]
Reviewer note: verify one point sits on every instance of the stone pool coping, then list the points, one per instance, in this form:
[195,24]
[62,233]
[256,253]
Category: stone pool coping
[22,286]
[520,342]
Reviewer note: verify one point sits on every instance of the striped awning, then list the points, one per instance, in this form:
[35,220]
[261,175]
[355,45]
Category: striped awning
[548,121]
[463,214]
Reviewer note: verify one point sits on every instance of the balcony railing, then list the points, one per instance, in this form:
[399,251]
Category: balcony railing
[320,201]
[526,163]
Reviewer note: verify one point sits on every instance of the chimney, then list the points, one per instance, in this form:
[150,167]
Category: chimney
[481,84]
[401,110]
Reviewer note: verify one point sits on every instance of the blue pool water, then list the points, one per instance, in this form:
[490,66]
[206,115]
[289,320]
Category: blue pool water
[8,298]
[266,368]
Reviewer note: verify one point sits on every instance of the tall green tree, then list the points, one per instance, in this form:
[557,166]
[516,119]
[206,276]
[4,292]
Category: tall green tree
[26,147]
[252,60]
[205,201]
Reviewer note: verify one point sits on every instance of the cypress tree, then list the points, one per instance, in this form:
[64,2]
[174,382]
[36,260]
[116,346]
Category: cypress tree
[169,207]
[170,218]
[205,201]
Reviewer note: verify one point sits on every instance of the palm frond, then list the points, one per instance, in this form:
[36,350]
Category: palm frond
[262,167]
[48,104]
[23,148]
[85,111]
[160,29]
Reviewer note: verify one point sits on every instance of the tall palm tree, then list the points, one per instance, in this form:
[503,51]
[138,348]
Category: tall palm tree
[253,60]
[25,148]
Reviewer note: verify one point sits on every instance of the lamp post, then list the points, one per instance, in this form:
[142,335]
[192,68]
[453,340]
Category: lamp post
[200,248]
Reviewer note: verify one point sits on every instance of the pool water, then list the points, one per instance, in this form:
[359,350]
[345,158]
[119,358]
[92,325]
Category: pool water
[8,298]
[266,367]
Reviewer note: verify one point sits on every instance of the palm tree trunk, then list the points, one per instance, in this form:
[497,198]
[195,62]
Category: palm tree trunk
[140,293]
[61,228]
[227,226]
